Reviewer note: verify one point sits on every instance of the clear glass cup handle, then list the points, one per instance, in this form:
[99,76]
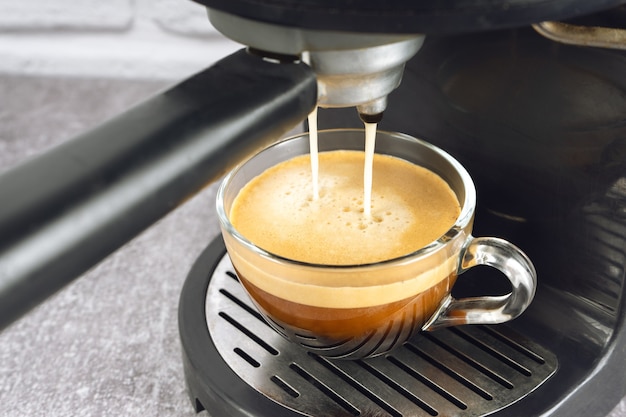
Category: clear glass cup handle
[508,259]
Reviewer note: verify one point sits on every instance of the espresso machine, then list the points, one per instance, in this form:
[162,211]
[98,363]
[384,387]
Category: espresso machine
[527,94]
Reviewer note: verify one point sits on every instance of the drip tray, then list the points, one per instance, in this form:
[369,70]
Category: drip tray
[461,371]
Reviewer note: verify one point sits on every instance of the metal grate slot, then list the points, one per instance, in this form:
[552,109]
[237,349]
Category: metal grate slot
[355,384]
[285,386]
[471,361]
[330,393]
[246,357]
[450,372]
[431,384]
[246,331]
[243,305]
[514,345]
[401,389]
[469,371]
[493,352]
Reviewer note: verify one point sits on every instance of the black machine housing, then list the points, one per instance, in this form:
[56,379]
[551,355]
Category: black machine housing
[407,16]
[541,127]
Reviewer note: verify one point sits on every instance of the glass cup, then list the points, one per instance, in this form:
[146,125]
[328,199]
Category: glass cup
[322,307]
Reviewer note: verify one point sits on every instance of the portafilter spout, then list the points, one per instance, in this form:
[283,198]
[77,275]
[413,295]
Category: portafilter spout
[352,69]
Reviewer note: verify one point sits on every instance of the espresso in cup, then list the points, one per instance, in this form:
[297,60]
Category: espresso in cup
[347,284]
[411,207]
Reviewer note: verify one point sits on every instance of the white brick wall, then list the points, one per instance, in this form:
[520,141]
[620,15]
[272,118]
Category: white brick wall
[146,39]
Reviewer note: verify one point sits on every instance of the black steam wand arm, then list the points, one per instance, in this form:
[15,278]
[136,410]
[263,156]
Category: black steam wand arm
[65,211]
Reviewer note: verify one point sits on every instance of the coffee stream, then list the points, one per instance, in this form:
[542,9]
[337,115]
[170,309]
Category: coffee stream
[370,145]
[315,165]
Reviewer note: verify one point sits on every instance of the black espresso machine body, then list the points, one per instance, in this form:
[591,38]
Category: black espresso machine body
[538,124]
[541,127]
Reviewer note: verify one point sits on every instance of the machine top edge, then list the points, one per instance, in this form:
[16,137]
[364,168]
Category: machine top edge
[406,16]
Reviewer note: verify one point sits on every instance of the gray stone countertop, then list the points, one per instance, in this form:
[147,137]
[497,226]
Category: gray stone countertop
[107,344]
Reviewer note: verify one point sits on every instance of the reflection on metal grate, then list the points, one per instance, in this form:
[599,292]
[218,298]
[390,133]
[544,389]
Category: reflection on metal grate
[468,371]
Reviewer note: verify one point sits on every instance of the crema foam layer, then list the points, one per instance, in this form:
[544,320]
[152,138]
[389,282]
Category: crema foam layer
[411,207]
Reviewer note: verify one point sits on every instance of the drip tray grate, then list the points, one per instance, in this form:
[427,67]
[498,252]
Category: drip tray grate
[461,371]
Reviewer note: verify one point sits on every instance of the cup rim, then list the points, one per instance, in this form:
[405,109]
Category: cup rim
[464,218]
